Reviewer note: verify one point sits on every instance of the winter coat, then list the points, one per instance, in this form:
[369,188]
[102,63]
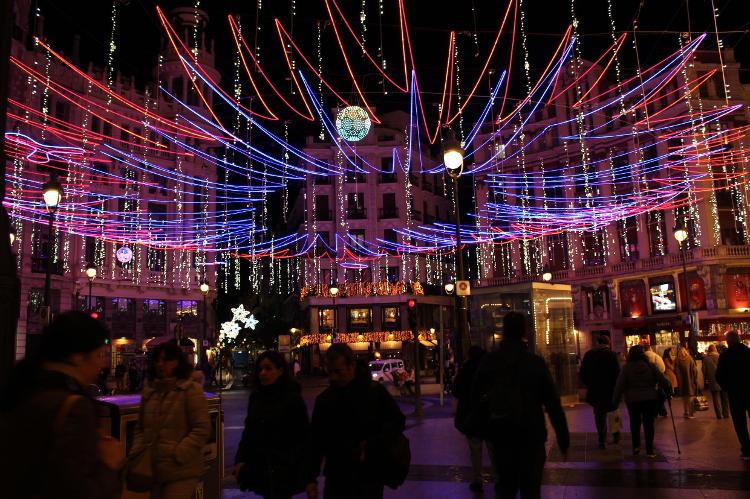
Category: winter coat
[176,426]
[462,392]
[46,455]
[710,363]
[343,418]
[274,442]
[537,393]
[687,373]
[599,371]
[637,382]
[733,372]
[655,360]
[669,373]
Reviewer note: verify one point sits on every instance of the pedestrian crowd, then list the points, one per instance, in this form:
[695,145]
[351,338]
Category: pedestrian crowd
[354,436]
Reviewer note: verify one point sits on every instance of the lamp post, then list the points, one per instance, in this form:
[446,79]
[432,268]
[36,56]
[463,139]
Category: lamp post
[449,287]
[681,235]
[546,273]
[453,157]
[91,275]
[205,288]
[334,291]
[52,193]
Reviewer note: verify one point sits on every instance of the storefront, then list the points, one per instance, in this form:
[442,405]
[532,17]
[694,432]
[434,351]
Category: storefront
[659,332]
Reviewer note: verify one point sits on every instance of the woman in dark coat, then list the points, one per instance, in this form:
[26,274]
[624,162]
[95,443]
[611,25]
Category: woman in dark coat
[271,453]
[637,381]
[599,371]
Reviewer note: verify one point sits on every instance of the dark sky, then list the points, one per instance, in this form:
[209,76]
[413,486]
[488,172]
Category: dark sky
[659,23]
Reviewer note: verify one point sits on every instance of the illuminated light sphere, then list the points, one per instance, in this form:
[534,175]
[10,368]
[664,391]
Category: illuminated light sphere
[353,123]
[124,254]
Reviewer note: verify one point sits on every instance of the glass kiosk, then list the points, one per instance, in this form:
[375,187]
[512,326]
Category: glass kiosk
[549,312]
[119,415]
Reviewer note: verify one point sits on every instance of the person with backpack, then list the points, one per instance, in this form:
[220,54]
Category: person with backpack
[599,371]
[637,382]
[52,447]
[357,427]
[512,389]
[733,375]
[462,393]
[271,453]
[172,429]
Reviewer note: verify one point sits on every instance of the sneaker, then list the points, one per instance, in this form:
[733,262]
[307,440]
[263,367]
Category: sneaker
[476,487]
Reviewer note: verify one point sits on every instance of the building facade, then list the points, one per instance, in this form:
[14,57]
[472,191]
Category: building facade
[140,292]
[627,275]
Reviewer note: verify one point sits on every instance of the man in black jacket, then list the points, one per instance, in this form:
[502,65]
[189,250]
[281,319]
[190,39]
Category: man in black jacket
[351,421]
[733,375]
[514,387]
[599,371]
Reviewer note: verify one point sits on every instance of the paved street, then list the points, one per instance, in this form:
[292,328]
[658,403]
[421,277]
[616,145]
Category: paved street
[708,467]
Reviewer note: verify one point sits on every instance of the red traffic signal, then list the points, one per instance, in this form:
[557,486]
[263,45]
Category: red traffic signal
[411,303]
[94,315]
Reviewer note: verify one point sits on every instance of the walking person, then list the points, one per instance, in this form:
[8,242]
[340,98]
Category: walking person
[173,426]
[352,422]
[599,371]
[512,389]
[272,450]
[687,378]
[669,369]
[462,392]
[52,447]
[637,382]
[657,361]
[719,397]
[733,373]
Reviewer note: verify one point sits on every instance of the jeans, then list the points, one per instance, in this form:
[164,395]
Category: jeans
[721,404]
[739,409]
[519,466]
[643,412]
[600,418]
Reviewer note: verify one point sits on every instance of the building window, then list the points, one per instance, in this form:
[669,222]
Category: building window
[356,206]
[155,307]
[360,318]
[628,236]
[391,317]
[322,208]
[593,247]
[187,308]
[156,259]
[322,243]
[391,274]
[123,306]
[326,318]
[657,233]
[557,251]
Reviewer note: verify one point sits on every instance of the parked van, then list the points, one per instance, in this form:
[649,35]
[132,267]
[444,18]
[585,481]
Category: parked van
[382,370]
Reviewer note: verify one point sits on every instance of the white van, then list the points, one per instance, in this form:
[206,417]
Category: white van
[382,370]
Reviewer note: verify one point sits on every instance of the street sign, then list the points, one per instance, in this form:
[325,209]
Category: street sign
[285,343]
[463,288]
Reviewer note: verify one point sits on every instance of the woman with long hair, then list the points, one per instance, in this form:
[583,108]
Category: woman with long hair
[270,458]
[638,381]
[174,424]
[669,368]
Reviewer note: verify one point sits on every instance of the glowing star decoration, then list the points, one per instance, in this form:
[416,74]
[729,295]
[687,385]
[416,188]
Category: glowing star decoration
[124,255]
[239,314]
[251,322]
[229,330]
[353,123]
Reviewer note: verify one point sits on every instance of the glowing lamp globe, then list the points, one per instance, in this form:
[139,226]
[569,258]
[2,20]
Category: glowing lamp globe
[353,123]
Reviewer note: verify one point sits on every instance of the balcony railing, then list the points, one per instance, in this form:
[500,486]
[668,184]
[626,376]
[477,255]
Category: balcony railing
[323,215]
[387,178]
[356,213]
[39,264]
[388,213]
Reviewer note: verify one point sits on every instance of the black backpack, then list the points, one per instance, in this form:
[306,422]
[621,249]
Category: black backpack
[504,401]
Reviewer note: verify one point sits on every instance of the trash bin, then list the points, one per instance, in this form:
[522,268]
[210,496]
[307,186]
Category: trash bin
[119,416]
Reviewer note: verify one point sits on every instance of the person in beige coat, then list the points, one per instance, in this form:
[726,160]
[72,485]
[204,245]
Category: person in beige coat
[174,423]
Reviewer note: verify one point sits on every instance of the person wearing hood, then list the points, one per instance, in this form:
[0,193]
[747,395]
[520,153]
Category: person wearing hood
[270,457]
[351,421]
[720,398]
[174,424]
[599,371]
[512,390]
[637,382]
[52,444]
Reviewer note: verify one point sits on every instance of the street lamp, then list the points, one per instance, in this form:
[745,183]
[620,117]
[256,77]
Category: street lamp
[333,290]
[204,288]
[91,274]
[52,194]
[546,274]
[681,235]
[453,157]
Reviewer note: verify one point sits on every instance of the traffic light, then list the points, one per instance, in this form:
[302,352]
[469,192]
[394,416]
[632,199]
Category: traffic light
[411,313]
[94,315]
